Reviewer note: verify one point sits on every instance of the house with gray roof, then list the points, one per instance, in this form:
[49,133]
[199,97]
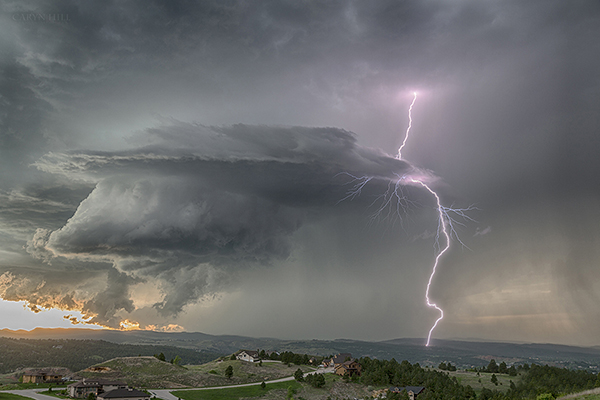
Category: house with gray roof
[83,388]
[124,394]
[413,391]
[337,360]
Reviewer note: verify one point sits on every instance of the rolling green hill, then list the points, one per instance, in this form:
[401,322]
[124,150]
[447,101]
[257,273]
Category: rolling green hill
[149,372]
[75,355]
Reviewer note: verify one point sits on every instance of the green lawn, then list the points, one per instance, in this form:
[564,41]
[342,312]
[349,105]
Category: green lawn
[233,393]
[484,380]
[9,396]
[55,393]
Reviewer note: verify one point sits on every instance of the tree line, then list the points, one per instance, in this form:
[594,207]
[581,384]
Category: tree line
[502,368]
[289,357]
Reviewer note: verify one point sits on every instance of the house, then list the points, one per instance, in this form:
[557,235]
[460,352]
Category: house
[337,360]
[41,377]
[413,391]
[248,355]
[350,368]
[83,388]
[124,394]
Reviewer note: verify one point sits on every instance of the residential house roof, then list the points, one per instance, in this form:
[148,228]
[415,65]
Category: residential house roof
[123,393]
[340,358]
[351,367]
[41,373]
[415,389]
[96,382]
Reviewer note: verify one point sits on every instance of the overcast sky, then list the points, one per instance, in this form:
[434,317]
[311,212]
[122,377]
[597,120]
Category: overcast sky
[181,165]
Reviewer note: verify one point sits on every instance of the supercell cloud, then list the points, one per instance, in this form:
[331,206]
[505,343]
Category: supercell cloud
[201,201]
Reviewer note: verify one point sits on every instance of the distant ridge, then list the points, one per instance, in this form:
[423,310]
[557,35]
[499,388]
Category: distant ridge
[462,353]
[505,349]
[109,335]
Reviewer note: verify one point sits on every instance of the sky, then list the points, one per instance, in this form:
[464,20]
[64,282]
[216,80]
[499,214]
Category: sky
[182,165]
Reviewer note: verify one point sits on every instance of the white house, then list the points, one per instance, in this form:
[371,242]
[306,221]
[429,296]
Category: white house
[248,355]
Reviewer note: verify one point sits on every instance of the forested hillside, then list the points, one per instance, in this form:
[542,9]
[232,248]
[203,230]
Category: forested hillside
[530,382]
[16,354]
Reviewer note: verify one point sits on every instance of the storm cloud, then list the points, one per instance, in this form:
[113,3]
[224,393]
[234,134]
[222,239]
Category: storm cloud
[202,201]
[183,163]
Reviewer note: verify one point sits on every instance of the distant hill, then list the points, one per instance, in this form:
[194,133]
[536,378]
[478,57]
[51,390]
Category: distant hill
[16,354]
[482,352]
[149,372]
[141,372]
[109,335]
[461,353]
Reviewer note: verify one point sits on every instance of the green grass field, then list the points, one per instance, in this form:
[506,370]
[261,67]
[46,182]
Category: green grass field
[9,396]
[56,393]
[484,380]
[234,393]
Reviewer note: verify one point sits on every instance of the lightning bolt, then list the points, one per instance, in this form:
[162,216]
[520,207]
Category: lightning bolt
[399,156]
[442,222]
[445,226]
[394,202]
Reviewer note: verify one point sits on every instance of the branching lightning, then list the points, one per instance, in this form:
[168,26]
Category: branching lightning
[443,221]
[394,203]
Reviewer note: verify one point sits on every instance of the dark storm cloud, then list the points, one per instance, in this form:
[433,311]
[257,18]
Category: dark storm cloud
[200,198]
[43,204]
[22,115]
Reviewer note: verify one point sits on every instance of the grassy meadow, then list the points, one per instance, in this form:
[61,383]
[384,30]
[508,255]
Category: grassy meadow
[10,396]
[483,380]
[236,393]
